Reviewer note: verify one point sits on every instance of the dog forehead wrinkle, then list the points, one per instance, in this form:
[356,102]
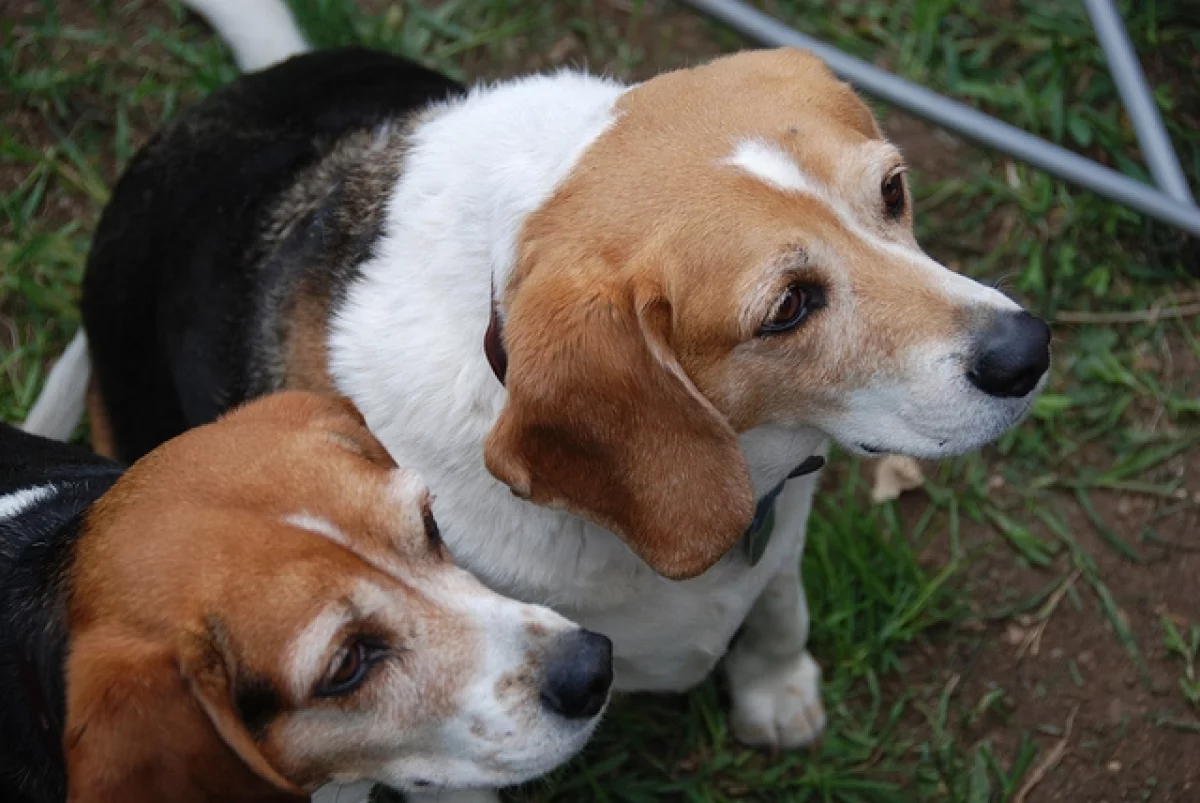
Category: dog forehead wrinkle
[317,525]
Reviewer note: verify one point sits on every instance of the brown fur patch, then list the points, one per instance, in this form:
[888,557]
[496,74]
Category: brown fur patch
[633,362]
[103,442]
[151,712]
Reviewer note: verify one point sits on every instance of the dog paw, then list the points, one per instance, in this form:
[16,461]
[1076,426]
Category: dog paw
[779,706]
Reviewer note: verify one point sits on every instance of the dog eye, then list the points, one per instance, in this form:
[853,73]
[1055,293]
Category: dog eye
[793,307]
[892,191]
[349,669]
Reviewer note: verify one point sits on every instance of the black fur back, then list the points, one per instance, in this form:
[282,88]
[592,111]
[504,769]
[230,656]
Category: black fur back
[36,547]
[190,254]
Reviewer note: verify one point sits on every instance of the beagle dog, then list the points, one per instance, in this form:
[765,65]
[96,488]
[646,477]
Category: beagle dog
[615,326]
[257,607]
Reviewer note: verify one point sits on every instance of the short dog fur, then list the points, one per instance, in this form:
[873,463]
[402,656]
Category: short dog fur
[258,607]
[607,321]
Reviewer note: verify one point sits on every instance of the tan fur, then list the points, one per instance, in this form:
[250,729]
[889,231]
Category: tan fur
[633,277]
[306,356]
[103,442]
[187,583]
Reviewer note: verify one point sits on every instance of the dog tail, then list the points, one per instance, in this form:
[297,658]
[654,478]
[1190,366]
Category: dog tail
[59,408]
[260,32]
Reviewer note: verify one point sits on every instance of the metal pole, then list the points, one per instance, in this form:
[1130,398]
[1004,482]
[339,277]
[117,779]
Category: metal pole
[960,118]
[1139,101]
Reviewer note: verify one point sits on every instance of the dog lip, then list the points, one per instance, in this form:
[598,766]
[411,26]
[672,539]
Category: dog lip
[871,449]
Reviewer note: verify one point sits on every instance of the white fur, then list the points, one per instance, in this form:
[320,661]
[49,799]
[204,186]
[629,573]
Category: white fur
[59,406]
[780,706]
[17,502]
[260,32]
[770,165]
[317,525]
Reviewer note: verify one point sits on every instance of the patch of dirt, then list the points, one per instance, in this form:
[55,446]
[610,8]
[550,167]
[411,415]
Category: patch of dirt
[1126,743]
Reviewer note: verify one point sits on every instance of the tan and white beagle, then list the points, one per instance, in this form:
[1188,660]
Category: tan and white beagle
[258,607]
[606,322]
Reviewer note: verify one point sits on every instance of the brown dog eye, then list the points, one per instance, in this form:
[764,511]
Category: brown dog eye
[349,669]
[794,306]
[892,191]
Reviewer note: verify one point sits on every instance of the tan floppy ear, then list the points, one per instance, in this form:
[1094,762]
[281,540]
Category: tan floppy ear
[603,421]
[135,733]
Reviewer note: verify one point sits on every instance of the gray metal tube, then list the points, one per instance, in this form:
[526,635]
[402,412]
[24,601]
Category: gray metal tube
[960,118]
[1139,102]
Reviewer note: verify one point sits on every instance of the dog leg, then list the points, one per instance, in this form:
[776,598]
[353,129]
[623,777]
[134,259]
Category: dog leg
[774,683]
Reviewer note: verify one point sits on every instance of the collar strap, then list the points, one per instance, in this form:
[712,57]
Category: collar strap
[493,341]
[758,534]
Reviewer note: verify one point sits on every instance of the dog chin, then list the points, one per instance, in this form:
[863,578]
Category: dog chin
[542,758]
[931,446]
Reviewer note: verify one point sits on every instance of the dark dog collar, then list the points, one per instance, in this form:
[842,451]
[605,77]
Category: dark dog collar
[493,341]
[758,534]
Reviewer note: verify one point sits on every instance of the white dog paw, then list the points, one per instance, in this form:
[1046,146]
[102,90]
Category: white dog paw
[778,707]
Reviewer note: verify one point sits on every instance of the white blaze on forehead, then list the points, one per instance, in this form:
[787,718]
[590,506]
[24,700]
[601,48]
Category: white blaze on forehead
[317,525]
[769,163]
[16,503]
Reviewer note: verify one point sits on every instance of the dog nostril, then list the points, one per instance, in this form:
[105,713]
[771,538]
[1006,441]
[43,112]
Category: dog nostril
[1012,355]
[578,675]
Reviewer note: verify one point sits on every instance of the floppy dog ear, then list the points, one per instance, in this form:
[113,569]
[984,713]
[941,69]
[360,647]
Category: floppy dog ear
[602,420]
[137,733]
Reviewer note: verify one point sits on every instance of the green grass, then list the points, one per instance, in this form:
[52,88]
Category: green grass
[88,81]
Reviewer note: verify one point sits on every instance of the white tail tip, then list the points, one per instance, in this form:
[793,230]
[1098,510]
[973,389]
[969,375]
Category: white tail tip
[260,32]
[59,408]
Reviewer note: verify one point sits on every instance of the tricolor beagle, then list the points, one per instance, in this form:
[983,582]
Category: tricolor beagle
[606,322]
[255,608]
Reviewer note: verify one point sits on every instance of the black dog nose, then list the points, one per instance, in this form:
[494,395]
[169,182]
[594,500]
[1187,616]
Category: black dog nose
[578,675]
[1012,355]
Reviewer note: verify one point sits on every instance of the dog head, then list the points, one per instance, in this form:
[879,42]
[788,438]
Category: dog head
[735,252]
[264,604]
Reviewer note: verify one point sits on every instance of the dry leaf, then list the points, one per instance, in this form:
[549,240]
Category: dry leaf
[894,475]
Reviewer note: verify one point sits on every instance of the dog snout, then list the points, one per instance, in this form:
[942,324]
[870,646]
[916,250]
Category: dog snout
[578,675]
[1012,355]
